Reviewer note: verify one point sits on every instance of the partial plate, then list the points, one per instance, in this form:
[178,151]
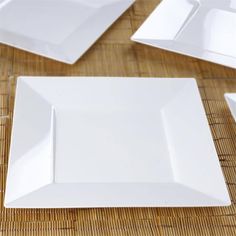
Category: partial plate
[111,142]
[231,101]
[203,29]
[59,29]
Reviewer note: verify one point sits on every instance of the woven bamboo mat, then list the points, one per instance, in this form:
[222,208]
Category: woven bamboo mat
[115,55]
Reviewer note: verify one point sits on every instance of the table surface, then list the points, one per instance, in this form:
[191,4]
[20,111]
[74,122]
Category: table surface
[115,55]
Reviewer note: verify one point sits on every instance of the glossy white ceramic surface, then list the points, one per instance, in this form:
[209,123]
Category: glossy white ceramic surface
[203,29]
[111,142]
[231,101]
[59,29]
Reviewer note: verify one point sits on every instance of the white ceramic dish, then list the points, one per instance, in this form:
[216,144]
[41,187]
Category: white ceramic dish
[111,142]
[59,29]
[231,101]
[203,29]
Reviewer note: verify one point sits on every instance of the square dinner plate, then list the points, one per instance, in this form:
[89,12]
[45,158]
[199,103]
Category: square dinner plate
[231,101]
[203,29]
[111,142]
[59,29]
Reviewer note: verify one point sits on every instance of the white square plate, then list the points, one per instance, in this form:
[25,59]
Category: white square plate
[203,29]
[59,29]
[231,101]
[111,142]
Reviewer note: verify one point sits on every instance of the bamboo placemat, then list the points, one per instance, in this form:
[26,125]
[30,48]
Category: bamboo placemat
[115,55]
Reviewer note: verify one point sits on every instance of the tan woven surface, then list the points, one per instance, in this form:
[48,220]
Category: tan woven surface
[115,55]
